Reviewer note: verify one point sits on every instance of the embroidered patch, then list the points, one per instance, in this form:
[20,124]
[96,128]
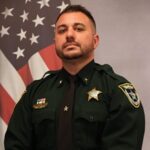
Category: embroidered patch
[131,94]
[40,103]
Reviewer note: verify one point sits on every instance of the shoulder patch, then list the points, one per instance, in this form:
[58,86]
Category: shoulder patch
[129,90]
[109,71]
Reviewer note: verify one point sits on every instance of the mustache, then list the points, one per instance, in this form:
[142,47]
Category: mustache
[70,43]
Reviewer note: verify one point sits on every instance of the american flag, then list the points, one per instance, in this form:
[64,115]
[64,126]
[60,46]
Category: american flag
[26,49]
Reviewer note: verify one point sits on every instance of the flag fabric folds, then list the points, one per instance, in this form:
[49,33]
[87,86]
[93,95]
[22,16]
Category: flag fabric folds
[27,49]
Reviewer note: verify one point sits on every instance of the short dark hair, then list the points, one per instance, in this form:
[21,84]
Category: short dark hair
[77,8]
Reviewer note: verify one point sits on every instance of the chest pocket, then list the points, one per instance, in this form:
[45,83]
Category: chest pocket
[44,123]
[92,115]
[41,115]
[89,125]
[91,119]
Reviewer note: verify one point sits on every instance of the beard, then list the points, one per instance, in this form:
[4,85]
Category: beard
[72,54]
[72,50]
[64,56]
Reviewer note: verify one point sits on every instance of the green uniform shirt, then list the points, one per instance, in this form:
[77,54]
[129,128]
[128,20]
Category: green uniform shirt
[107,114]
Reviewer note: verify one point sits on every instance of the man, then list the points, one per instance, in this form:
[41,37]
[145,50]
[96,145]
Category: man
[99,110]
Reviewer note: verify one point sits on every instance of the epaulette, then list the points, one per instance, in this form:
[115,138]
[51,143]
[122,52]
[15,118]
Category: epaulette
[109,71]
[105,67]
[50,73]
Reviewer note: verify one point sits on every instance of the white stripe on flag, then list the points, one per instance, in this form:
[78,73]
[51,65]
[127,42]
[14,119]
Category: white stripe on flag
[3,128]
[37,66]
[10,79]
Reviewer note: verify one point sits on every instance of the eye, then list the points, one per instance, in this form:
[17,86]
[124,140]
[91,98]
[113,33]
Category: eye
[79,28]
[61,30]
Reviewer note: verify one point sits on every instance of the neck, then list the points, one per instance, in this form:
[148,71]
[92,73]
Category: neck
[73,67]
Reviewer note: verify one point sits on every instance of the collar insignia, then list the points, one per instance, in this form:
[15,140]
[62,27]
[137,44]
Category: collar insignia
[40,103]
[129,90]
[93,94]
[86,80]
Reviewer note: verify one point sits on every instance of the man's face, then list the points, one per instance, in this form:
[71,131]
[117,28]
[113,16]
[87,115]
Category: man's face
[75,36]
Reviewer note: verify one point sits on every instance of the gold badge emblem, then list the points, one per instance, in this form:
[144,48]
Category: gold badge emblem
[40,103]
[131,94]
[93,94]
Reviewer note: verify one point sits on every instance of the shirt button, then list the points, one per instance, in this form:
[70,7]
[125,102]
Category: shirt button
[91,118]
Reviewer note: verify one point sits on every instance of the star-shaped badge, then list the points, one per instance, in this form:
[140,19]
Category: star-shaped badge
[93,94]
[66,108]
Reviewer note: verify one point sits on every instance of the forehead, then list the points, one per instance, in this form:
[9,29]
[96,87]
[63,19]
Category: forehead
[72,18]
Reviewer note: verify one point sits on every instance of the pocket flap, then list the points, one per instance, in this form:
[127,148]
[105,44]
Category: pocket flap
[43,114]
[92,116]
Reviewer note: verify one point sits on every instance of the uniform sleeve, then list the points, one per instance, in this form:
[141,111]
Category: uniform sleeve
[19,132]
[124,128]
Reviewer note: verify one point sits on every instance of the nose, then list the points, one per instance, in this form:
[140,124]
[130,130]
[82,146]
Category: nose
[70,36]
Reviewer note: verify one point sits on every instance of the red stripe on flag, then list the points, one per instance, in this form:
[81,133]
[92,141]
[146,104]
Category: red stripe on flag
[50,57]
[6,105]
[25,74]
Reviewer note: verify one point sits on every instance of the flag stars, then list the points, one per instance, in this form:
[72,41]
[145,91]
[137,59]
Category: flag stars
[38,21]
[53,25]
[24,16]
[34,38]
[4,31]
[27,1]
[19,53]
[22,34]
[43,3]
[7,12]
[62,6]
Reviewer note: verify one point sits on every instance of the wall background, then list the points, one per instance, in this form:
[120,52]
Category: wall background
[124,29]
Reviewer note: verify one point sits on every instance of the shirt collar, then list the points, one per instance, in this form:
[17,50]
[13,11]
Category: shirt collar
[63,77]
[85,74]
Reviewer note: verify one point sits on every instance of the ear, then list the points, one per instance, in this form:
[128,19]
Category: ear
[96,40]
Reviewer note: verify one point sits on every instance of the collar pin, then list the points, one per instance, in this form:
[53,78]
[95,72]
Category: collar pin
[85,80]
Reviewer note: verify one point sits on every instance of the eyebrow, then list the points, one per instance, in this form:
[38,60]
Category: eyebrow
[75,24]
[78,23]
[62,25]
